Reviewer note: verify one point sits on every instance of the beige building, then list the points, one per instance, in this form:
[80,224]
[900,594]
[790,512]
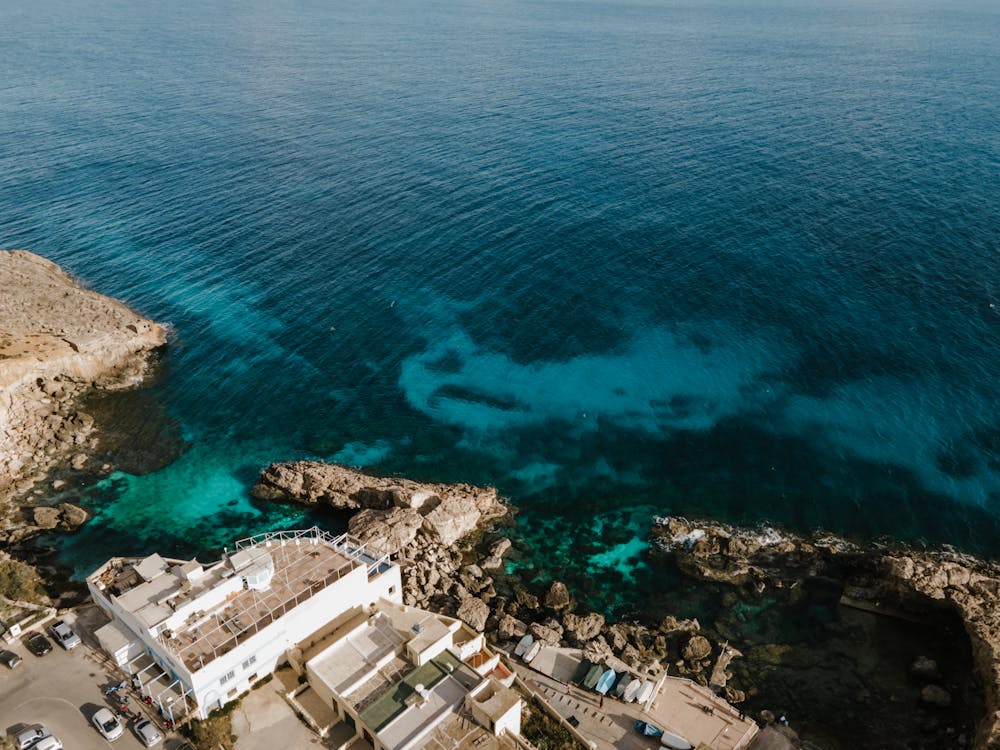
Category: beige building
[404,678]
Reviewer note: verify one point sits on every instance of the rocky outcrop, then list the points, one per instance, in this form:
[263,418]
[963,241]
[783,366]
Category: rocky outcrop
[57,342]
[66,517]
[394,509]
[886,576]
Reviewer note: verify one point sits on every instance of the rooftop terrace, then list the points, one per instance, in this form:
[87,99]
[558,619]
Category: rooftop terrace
[297,565]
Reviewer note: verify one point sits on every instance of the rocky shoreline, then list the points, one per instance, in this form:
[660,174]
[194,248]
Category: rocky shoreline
[59,342]
[448,541]
[891,579]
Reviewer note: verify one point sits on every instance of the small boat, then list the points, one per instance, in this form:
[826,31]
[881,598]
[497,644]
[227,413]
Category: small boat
[647,729]
[632,690]
[645,692]
[605,682]
[675,742]
[592,677]
[622,684]
[523,645]
[532,652]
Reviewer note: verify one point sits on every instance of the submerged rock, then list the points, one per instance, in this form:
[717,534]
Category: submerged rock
[935,695]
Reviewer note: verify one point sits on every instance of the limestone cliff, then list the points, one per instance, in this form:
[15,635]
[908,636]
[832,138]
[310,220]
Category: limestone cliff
[57,341]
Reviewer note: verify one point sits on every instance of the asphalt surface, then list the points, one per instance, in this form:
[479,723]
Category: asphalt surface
[62,690]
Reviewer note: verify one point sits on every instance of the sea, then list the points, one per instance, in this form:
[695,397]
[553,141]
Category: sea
[619,258]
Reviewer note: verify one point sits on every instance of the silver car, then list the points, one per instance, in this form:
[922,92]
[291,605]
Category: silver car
[31,736]
[147,732]
[108,725]
[64,635]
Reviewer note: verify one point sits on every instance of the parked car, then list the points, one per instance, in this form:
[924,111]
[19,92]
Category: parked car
[31,736]
[9,659]
[108,725]
[37,644]
[48,743]
[64,635]
[147,732]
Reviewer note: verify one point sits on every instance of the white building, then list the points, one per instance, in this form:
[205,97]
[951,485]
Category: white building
[404,678]
[206,633]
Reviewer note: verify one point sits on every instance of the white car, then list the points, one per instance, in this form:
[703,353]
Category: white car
[108,725]
[147,732]
[30,736]
[64,635]
[48,743]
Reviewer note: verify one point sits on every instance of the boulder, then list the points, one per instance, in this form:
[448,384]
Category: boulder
[697,648]
[78,462]
[598,651]
[497,550]
[671,624]
[617,634]
[510,627]
[45,517]
[527,600]
[935,695]
[542,633]
[583,629]
[474,612]
[386,531]
[557,597]
[925,669]
[72,516]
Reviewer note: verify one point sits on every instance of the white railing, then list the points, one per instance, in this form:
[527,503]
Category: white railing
[347,545]
[290,535]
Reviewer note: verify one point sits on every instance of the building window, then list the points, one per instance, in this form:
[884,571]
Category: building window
[392,589]
[227,677]
[248,662]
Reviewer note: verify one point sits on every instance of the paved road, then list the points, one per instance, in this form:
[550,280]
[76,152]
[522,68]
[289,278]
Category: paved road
[263,721]
[62,691]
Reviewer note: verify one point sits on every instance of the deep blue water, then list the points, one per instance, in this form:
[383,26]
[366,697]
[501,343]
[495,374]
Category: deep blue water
[737,258]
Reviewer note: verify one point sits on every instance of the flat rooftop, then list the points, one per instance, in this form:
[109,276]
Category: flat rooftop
[404,693]
[300,571]
[296,564]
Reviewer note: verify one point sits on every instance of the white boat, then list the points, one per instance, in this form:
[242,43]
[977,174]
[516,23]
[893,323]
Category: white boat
[523,645]
[622,684]
[632,690]
[645,692]
[532,651]
[674,741]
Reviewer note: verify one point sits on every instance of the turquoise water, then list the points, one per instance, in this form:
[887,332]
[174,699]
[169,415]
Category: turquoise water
[733,258]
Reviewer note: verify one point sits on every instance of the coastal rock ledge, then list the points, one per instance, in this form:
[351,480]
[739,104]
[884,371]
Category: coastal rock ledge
[881,577]
[392,511]
[57,342]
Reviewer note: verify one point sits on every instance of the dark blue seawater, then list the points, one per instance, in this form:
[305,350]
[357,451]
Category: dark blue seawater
[737,258]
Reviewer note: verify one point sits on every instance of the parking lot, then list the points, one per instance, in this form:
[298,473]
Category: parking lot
[62,690]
